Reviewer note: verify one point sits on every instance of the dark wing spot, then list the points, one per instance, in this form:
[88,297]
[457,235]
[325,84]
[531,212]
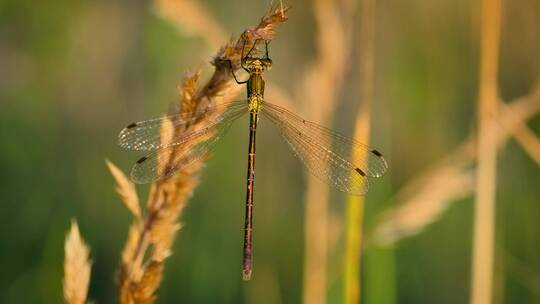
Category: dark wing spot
[142,159]
[376,152]
[360,171]
[131,126]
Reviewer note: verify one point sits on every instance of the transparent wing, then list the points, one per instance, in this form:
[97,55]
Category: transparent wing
[326,154]
[146,135]
[184,149]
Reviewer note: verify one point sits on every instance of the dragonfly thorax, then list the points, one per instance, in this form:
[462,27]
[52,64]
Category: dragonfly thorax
[255,86]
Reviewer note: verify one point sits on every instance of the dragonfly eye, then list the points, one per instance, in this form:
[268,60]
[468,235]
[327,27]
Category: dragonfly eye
[247,61]
[267,63]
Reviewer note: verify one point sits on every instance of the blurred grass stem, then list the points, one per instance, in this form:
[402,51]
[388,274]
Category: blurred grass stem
[355,204]
[191,17]
[484,216]
[326,76]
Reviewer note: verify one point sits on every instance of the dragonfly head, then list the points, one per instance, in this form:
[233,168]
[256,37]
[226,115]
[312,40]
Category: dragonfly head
[257,64]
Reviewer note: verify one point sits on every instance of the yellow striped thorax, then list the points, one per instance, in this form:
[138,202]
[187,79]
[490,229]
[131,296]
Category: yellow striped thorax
[255,83]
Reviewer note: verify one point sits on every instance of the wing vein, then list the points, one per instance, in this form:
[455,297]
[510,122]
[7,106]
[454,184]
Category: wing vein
[324,152]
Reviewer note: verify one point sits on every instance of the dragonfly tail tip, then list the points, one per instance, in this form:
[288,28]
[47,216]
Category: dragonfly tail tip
[246,274]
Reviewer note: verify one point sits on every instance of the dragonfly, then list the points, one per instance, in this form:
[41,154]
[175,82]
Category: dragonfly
[325,153]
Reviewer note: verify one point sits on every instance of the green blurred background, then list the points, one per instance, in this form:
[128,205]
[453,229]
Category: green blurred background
[73,73]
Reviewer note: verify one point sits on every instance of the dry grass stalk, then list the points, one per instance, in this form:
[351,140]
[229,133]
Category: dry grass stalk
[321,86]
[419,204]
[355,204]
[76,267]
[150,238]
[484,217]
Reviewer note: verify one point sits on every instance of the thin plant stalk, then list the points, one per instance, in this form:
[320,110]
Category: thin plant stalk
[484,217]
[353,248]
[355,204]
[322,83]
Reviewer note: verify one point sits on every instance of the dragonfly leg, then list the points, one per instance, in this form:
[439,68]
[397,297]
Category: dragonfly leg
[253,47]
[233,74]
[266,43]
[242,63]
